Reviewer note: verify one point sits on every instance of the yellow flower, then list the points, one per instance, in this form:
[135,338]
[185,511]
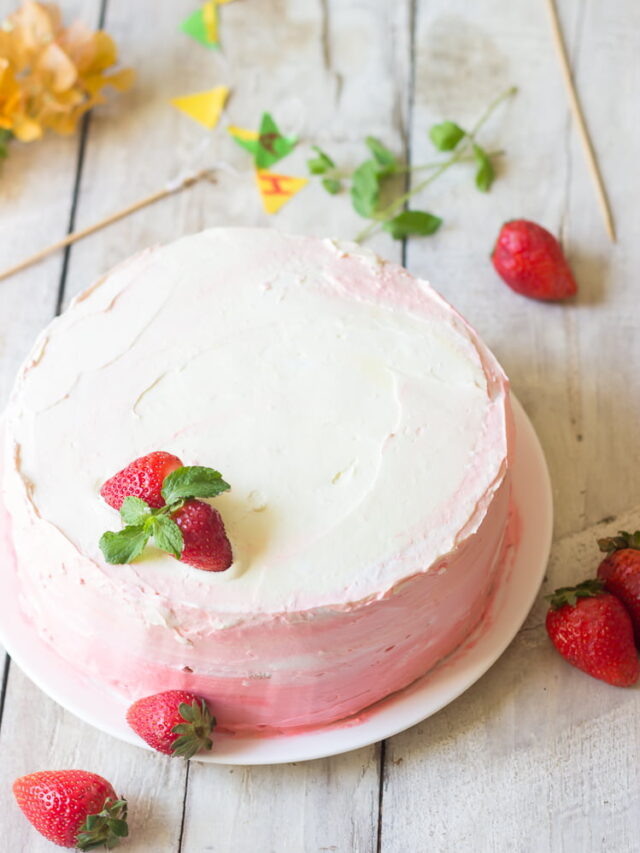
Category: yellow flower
[51,75]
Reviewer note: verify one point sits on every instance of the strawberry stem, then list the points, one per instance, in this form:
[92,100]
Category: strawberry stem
[194,733]
[570,594]
[106,828]
[623,540]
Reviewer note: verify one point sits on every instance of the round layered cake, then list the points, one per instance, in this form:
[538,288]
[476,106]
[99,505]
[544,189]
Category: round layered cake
[365,432]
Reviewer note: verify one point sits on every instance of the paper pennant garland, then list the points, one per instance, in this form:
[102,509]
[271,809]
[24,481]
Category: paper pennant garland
[202,25]
[267,145]
[247,139]
[276,190]
[204,107]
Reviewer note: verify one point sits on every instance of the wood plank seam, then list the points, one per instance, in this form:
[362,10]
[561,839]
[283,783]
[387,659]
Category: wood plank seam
[82,147]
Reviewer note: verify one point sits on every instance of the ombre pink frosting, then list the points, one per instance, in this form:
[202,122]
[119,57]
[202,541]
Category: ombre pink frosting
[366,434]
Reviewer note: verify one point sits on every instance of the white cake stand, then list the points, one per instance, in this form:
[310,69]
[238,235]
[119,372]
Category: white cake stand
[516,591]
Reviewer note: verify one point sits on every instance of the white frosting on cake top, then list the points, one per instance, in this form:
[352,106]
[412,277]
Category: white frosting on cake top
[358,419]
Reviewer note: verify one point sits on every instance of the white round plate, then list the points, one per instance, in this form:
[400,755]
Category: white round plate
[509,607]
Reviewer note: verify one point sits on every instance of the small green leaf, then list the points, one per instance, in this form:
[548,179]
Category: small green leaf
[193,481]
[134,510]
[167,535]
[484,172]
[412,222]
[321,164]
[118,827]
[385,159]
[446,135]
[125,545]
[332,185]
[365,188]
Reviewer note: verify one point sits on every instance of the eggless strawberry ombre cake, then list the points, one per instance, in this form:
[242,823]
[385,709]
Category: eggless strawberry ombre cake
[365,433]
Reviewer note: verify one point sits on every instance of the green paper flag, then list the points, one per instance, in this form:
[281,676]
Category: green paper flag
[202,25]
[271,144]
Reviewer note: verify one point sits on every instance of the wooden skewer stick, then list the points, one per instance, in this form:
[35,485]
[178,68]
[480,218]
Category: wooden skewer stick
[578,115]
[170,189]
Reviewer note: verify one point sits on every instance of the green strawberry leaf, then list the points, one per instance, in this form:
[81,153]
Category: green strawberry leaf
[134,510]
[446,135]
[332,185]
[167,535]
[484,172]
[192,481]
[321,164]
[412,222]
[384,159]
[365,188]
[125,545]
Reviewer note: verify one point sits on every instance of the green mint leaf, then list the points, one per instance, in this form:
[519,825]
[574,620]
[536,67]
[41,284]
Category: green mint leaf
[365,188]
[446,135]
[125,545]
[167,535]
[484,172]
[272,145]
[192,481]
[321,164]
[332,185]
[385,159]
[134,510]
[412,222]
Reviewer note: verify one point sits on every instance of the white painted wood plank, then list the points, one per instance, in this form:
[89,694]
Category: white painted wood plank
[536,757]
[327,805]
[531,758]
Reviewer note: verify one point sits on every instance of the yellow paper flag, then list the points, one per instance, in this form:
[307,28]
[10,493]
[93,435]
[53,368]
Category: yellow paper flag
[242,133]
[204,107]
[210,20]
[222,2]
[276,190]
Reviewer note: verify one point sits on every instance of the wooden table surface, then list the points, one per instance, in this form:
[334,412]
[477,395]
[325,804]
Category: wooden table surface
[535,756]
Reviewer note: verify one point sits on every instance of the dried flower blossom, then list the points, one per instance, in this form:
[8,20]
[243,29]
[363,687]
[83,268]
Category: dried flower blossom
[51,75]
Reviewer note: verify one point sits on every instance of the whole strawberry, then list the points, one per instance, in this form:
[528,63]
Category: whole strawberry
[175,722]
[620,572]
[142,479]
[592,630]
[205,542]
[530,260]
[73,808]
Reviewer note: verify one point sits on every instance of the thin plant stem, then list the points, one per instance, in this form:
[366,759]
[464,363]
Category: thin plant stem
[464,152]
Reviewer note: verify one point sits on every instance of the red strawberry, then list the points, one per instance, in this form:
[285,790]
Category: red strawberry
[205,542]
[72,808]
[530,260]
[141,479]
[620,572]
[593,631]
[175,722]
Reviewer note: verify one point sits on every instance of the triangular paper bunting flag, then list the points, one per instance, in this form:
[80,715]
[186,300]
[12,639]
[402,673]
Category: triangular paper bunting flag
[273,146]
[247,139]
[276,190]
[202,25]
[204,107]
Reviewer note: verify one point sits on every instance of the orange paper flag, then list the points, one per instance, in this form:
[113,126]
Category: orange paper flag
[276,190]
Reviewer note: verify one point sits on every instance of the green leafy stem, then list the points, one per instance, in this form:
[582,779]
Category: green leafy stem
[369,178]
[143,523]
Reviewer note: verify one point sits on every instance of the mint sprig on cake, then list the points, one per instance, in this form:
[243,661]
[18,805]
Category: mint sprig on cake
[159,499]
